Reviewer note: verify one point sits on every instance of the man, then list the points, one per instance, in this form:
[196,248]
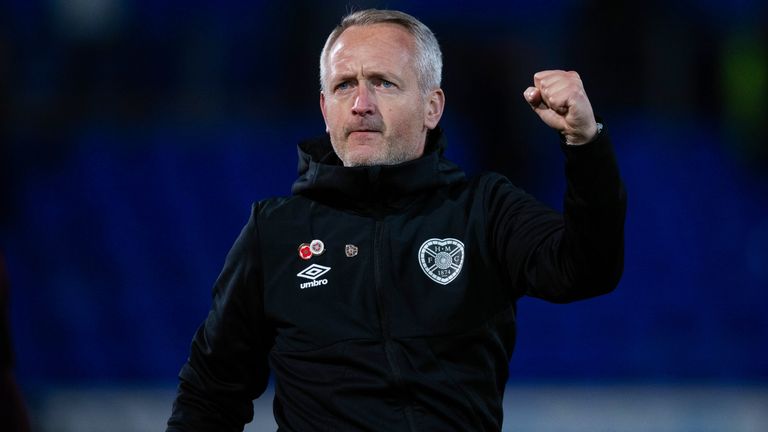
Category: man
[381,295]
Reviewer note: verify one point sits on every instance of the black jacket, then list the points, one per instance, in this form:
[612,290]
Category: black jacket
[406,320]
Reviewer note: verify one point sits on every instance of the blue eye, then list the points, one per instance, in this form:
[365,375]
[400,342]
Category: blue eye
[386,84]
[343,86]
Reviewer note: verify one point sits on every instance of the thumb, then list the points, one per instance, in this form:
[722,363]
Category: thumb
[532,95]
[534,98]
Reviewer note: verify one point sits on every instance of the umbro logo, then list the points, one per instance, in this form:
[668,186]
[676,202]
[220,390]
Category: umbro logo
[312,273]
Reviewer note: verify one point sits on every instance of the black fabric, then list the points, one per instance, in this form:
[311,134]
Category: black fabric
[385,339]
[323,178]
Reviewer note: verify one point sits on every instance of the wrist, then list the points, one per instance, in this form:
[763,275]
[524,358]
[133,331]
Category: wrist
[576,141]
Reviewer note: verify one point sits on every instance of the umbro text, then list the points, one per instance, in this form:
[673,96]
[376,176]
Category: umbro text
[313,283]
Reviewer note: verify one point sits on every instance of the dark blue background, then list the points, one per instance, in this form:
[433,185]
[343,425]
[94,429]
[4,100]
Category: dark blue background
[135,137]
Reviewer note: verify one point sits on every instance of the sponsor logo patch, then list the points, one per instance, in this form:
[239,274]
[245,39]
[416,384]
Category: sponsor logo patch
[441,259]
[312,273]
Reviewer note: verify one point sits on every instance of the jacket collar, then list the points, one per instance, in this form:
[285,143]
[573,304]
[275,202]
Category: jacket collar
[323,177]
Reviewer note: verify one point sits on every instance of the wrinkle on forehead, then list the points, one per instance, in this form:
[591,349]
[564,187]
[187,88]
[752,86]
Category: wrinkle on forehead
[372,48]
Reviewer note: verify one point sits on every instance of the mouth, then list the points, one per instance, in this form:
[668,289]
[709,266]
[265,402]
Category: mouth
[364,131]
[364,127]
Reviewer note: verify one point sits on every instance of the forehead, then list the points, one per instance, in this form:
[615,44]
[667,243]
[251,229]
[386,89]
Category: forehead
[383,44]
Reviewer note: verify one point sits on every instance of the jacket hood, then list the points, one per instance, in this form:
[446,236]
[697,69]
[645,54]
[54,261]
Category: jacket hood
[323,177]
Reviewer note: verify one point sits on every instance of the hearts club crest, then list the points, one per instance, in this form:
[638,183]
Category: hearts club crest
[441,259]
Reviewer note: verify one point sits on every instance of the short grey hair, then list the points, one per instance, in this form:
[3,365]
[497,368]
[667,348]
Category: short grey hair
[429,59]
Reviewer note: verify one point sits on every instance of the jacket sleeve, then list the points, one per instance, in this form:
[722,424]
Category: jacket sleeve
[227,365]
[568,257]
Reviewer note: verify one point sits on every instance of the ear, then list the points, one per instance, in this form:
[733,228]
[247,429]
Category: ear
[322,109]
[435,103]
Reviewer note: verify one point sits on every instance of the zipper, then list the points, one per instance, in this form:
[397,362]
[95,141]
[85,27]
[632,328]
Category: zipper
[384,322]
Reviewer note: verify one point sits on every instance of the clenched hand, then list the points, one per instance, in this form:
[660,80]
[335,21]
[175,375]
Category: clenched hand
[558,97]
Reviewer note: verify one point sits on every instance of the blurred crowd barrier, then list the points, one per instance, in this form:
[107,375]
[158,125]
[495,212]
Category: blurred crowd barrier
[527,408]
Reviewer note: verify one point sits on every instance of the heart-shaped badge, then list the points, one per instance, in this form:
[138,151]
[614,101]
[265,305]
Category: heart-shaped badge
[441,259]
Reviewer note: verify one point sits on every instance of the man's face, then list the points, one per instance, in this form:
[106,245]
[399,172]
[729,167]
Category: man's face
[374,110]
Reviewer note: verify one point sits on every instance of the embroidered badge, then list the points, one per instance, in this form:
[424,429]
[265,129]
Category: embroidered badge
[350,250]
[441,259]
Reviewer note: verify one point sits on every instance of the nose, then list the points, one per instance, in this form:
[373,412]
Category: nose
[364,101]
